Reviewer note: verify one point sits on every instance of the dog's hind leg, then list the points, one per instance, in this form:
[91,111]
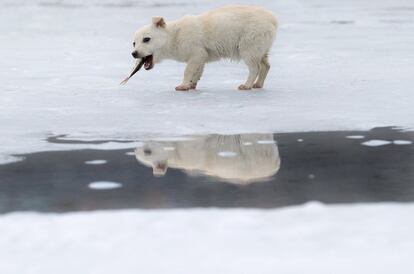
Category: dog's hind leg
[264,69]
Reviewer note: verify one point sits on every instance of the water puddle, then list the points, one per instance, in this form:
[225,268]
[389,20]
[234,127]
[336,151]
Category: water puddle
[243,170]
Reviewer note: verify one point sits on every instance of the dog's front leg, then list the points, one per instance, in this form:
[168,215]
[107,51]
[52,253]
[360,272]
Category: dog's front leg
[192,72]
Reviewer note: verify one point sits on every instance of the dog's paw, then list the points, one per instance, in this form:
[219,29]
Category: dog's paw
[256,85]
[193,86]
[244,87]
[183,88]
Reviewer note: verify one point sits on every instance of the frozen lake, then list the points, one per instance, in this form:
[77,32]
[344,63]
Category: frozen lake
[335,66]
[323,185]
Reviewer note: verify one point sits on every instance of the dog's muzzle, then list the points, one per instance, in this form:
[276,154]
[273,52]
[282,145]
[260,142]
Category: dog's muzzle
[135,54]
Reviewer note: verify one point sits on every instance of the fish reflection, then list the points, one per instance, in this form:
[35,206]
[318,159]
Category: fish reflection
[238,159]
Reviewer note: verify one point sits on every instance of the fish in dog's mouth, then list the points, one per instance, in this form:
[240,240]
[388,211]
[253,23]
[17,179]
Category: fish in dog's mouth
[147,62]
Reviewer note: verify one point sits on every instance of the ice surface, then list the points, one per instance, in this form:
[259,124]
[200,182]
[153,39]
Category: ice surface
[356,239]
[336,65]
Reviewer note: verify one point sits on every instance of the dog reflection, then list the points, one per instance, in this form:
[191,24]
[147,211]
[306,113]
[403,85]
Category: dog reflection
[238,159]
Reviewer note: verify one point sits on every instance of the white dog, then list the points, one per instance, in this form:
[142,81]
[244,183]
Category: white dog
[234,32]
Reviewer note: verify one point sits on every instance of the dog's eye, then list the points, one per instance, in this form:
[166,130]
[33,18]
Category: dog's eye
[146,39]
[147,151]
[133,44]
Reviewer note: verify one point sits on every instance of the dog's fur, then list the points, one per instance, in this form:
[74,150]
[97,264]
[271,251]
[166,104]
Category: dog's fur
[234,32]
[251,162]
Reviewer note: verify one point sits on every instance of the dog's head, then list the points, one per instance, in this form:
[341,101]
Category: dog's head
[148,40]
[153,155]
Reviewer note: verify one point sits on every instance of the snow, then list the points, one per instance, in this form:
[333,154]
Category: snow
[376,143]
[336,65]
[10,159]
[314,238]
[104,185]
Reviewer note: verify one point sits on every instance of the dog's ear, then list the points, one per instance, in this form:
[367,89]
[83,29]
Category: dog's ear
[158,21]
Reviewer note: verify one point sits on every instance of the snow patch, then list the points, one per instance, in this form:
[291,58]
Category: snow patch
[8,159]
[182,241]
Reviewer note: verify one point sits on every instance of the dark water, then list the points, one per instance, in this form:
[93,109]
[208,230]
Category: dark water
[247,170]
